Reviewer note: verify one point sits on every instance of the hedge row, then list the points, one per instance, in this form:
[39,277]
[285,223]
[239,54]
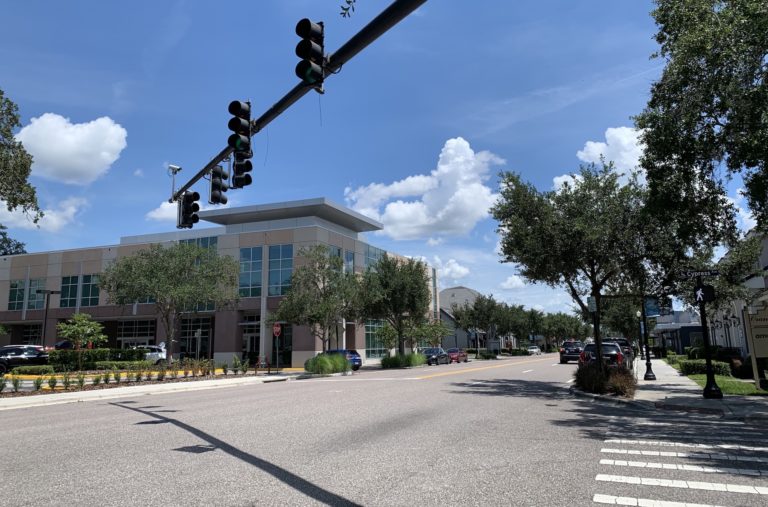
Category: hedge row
[694,366]
[45,369]
[399,361]
[327,363]
[63,360]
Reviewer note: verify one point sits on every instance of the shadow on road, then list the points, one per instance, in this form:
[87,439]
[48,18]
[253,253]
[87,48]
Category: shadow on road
[512,387]
[281,474]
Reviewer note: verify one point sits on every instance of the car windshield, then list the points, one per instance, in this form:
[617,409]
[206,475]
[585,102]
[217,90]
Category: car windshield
[532,348]
[451,351]
[573,344]
[430,351]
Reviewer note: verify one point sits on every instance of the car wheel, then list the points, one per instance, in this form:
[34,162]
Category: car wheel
[563,361]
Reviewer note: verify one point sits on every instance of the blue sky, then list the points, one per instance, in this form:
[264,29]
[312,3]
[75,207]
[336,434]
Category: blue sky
[412,131]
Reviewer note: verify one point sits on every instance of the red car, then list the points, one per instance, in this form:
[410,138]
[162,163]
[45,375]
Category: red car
[457,355]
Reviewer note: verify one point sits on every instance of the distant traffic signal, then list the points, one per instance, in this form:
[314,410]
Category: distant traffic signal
[219,185]
[310,49]
[241,167]
[187,212]
[240,124]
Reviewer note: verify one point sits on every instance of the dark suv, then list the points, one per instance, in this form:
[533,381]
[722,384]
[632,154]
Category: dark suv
[12,356]
[626,350]
[570,351]
[352,356]
[612,355]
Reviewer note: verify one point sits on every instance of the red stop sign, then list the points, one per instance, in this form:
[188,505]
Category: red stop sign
[276,329]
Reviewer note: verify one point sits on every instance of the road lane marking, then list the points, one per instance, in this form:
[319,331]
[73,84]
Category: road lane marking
[527,371]
[571,380]
[663,443]
[481,368]
[673,483]
[689,455]
[643,502]
[684,468]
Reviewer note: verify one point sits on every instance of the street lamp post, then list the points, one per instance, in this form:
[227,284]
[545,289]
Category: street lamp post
[649,375]
[47,293]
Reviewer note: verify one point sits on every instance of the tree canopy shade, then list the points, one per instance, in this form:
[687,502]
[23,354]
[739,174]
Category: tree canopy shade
[709,110]
[176,278]
[15,164]
[322,295]
[397,291]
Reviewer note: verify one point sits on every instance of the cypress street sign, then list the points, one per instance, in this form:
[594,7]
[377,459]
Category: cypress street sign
[704,272]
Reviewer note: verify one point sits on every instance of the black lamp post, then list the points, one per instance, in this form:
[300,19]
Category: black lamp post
[649,375]
[47,293]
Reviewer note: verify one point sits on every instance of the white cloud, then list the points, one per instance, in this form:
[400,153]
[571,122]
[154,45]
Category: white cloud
[745,219]
[54,219]
[76,153]
[435,241]
[571,179]
[513,282]
[622,146]
[450,270]
[138,173]
[448,201]
[166,212]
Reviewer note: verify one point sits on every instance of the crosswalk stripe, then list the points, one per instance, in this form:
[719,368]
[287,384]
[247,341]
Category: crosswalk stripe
[672,483]
[527,371]
[664,443]
[688,455]
[685,468]
[643,502]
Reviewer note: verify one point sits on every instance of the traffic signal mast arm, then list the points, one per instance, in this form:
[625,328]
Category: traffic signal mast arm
[389,17]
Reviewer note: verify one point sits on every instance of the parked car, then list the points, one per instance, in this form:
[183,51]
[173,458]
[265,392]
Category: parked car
[352,356]
[21,355]
[570,351]
[154,353]
[436,355]
[458,355]
[534,350]
[612,355]
[626,349]
[64,345]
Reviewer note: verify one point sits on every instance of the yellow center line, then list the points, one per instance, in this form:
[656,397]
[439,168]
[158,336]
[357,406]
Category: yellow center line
[459,372]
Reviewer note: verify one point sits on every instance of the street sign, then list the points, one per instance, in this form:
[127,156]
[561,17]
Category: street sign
[276,329]
[704,293]
[703,272]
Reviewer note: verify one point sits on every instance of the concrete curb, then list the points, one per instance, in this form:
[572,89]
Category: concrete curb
[132,391]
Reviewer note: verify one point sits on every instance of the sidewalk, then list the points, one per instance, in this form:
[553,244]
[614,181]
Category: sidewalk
[673,391]
[142,390]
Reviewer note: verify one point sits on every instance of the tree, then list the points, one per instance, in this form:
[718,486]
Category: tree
[177,278]
[9,246]
[432,332]
[576,237]
[15,164]
[82,330]
[708,111]
[397,290]
[321,294]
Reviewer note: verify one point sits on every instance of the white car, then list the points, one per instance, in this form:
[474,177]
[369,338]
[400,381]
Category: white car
[534,350]
[155,354]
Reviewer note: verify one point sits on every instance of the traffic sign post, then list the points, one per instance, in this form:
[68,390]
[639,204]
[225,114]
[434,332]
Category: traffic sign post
[704,294]
[276,329]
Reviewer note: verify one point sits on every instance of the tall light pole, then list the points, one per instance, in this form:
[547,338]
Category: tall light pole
[47,293]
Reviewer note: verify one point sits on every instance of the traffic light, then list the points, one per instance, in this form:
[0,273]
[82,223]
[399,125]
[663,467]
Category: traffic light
[188,208]
[310,49]
[219,185]
[240,124]
[241,167]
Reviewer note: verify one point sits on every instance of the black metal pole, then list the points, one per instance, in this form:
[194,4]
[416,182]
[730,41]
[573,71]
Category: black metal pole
[45,317]
[649,375]
[711,390]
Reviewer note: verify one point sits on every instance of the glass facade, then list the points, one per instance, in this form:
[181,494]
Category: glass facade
[372,255]
[36,301]
[135,332]
[16,296]
[373,345]
[68,292]
[349,261]
[250,272]
[90,291]
[32,334]
[280,269]
[209,242]
[195,337]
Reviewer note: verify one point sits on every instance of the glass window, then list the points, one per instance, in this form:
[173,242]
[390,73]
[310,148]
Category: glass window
[373,345]
[16,295]
[32,334]
[349,262]
[68,292]
[250,272]
[133,329]
[36,301]
[194,339]
[90,291]
[372,255]
[280,269]
[208,242]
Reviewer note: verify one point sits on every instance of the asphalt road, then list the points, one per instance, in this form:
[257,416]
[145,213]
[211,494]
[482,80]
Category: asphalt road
[483,433]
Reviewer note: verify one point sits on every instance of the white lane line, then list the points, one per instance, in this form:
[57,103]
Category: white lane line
[670,483]
[685,468]
[664,443]
[347,379]
[527,371]
[555,364]
[690,455]
[643,502]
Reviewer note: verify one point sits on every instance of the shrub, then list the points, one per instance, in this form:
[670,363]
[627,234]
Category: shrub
[694,366]
[122,365]
[223,367]
[117,375]
[327,363]
[137,376]
[15,383]
[244,366]
[38,383]
[745,370]
[235,364]
[403,361]
[673,358]
[96,380]
[693,352]
[589,378]
[686,350]
[80,380]
[161,373]
[484,354]
[45,369]
[106,377]
[63,360]
[471,351]
[2,384]
[66,381]
[52,381]
[622,382]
